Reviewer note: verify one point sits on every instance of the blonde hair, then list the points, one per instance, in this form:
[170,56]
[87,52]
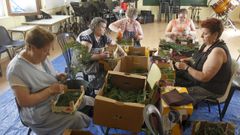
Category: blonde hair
[132,13]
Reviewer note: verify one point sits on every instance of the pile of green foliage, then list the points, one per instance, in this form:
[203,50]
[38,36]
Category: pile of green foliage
[180,49]
[134,96]
[67,97]
[168,76]
[169,73]
[213,128]
[125,42]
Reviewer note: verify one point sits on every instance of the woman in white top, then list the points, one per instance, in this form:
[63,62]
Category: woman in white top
[35,84]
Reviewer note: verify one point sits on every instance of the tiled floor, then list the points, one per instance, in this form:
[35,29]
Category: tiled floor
[153,32]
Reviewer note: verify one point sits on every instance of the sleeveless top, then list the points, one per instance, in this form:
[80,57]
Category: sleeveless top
[219,82]
[181,27]
[127,34]
[97,46]
[88,36]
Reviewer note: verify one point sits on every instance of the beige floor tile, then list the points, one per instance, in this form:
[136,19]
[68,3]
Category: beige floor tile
[153,32]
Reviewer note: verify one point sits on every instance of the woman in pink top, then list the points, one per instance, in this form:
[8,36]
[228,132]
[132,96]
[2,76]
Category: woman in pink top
[129,26]
[182,27]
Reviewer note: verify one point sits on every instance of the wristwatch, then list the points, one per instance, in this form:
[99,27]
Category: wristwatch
[186,69]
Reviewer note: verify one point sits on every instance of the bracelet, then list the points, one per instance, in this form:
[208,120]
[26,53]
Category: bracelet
[187,68]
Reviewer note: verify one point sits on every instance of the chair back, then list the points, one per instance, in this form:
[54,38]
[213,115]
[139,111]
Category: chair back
[19,109]
[234,69]
[63,39]
[5,39]
[153,119]
[78,11]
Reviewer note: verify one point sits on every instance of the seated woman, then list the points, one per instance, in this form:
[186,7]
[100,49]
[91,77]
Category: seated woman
[129,27]
[208,72]
[35,84]
[182,27]
[95,39]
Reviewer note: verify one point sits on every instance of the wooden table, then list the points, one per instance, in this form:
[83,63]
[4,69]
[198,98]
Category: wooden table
[21,29]
[49,22]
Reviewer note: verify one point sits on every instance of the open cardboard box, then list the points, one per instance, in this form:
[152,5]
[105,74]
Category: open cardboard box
[123,115]
[112,49]
[138,51]
[131,64]
[168,73]
[72,107]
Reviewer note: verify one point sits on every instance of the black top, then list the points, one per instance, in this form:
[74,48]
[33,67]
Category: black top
[219,82]
[88,36]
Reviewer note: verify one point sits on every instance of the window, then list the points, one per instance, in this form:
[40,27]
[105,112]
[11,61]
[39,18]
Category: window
[23,7]
[1,8]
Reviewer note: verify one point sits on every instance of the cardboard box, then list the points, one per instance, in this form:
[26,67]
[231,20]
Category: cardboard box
[72,106]
[168,74]
[138,51]
[133,64]
[76,132]
[122,115]
[112,49]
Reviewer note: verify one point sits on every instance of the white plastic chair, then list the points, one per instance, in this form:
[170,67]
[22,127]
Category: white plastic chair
[227,95]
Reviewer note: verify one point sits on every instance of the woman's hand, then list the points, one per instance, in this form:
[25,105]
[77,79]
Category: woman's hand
[104,55]
[176,34]
[181,65]
[62,77]
[56,88]
[137,37]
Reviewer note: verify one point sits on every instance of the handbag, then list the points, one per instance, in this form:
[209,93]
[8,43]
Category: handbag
[174,98]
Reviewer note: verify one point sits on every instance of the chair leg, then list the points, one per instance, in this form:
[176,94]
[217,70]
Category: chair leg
[227,101]
[29,131]
[219,111]
[0,67]
[9,54]
[0,71]
[209,109]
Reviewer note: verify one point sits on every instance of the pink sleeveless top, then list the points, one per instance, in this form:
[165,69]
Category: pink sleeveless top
[176,27]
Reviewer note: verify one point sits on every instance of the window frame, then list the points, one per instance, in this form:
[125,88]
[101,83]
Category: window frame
[2,9]
[10,13]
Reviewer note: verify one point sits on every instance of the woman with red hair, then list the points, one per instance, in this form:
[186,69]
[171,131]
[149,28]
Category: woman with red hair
[208,72]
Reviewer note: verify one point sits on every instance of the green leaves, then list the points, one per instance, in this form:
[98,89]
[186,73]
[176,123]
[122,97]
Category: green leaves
[67,97]
[177,47]
[134,96]
[82,56]
[125,42]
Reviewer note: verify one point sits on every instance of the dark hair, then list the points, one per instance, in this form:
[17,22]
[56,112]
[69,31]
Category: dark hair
[183,11]
[214,25]
[96,22]
[39,37]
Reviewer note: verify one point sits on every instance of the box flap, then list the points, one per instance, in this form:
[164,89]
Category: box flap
[132,64]
[154,75]
[138,51]
[126,81]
